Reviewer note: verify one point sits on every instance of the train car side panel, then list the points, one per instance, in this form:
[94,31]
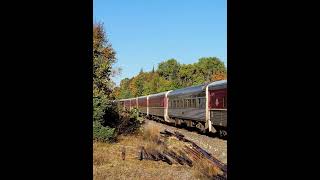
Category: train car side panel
[127,105]
[188,103]
[142,105]
[156,105]
[217,105]
[133,103]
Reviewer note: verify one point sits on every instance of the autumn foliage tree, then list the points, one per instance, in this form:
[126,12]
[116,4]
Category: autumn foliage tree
[170,74]
[103,59]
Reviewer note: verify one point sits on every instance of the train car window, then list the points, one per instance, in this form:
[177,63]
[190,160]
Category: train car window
[203,103]
[185,103]
[197,103]
[217,102]
[194,103]
[212,101]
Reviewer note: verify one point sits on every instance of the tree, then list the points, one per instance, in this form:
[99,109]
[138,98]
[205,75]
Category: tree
[169,69]
[206,67]
[103,59]
[124,89]
[219,75]
[139,86]
[186,75]
[155,83]
[152,69]
[147,83]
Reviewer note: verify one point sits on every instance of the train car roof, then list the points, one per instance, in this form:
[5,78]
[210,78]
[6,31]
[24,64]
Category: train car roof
[217,85]
[158,94]
[188,90]
[125,99]
[142,97]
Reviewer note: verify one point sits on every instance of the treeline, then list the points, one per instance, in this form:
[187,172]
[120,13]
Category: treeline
[170,75]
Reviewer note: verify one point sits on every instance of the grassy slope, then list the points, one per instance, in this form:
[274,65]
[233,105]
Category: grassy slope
[108,163]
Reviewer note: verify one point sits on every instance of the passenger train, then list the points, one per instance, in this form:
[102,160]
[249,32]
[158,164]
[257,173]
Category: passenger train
[203,106]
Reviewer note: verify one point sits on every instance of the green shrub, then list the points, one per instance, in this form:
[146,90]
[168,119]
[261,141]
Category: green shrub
[101,133]
[99,108]
[105,112]
[134,114]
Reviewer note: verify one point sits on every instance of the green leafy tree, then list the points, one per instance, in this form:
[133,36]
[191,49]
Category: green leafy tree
[103,59]
[152,69]
[206,67]
[169,69]
[139,86]
[124,89]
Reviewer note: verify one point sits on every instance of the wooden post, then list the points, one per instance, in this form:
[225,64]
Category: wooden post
[123,153]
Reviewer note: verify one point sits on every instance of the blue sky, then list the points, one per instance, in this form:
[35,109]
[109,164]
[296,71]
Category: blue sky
[147,32]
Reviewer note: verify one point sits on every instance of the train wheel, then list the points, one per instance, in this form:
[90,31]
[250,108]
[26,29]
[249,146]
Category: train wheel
[223,133]
[201,127]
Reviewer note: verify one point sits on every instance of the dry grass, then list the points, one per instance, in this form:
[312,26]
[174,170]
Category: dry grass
[108,163]
[204,169]
[151,133]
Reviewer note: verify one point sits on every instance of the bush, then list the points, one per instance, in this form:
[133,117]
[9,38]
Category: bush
[101,133]
[99,109]
[105,111]
[128,123]
[134,114]
[111,116]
